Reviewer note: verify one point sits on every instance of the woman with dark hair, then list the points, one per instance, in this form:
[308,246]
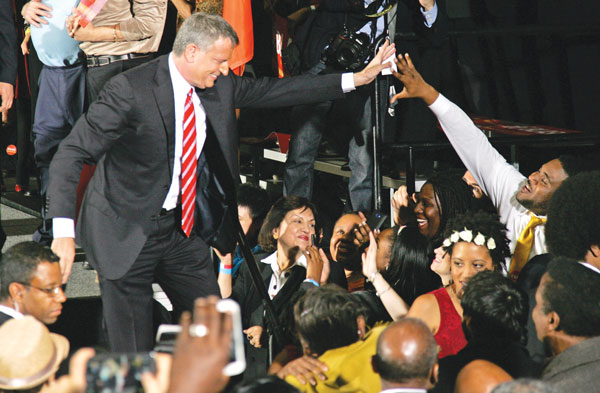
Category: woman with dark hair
[402,277]
[291,265]
[440,199]
[475,243]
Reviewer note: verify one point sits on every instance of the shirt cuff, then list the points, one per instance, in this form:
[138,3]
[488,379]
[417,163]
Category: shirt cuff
[63,227]
[348,82]
[431,15]
[440,105]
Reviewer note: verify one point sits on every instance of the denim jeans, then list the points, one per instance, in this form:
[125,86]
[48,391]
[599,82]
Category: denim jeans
[60,102]
[352,119]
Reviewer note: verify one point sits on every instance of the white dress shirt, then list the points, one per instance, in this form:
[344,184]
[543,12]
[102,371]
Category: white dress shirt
[279,278]
[180,90]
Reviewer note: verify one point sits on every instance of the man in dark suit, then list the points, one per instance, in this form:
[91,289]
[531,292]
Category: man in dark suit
[134,222]
[31,283]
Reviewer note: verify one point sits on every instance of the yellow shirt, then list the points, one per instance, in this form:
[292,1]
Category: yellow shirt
[350,368]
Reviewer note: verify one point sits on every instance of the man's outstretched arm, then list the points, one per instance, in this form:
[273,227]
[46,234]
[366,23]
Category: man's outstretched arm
[498,178]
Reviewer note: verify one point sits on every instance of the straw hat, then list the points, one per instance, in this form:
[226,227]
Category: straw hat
[29,353]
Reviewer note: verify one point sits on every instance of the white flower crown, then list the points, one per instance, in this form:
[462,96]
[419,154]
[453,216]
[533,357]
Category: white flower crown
[467,236]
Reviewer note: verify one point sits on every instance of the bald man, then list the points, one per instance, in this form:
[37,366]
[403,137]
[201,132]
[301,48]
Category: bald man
[480,376]
[406,357]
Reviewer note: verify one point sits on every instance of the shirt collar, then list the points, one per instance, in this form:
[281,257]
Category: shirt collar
[272,260]
[591,267]
[10,311]
[180,85]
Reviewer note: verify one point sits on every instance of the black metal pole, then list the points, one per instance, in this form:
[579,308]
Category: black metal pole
[377,129]
[259,285]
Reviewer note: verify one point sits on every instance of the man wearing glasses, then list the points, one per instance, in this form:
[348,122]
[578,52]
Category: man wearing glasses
[31,283]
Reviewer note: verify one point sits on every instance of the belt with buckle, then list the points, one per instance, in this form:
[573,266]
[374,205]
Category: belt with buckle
[99,61]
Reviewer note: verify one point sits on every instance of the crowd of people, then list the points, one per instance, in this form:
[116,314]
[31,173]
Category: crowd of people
[483,281]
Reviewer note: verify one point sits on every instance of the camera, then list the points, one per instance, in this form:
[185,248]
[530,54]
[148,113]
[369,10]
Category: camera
[348,51]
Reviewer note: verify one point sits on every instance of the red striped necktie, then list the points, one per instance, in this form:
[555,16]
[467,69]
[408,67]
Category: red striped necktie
[188,166]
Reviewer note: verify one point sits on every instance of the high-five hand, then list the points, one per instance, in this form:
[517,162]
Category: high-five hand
[414,85]
[370,72]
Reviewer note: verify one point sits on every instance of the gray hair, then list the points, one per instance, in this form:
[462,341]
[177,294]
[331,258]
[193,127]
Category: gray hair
[203,30]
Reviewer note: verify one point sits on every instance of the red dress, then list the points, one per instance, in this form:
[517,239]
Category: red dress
[450,336]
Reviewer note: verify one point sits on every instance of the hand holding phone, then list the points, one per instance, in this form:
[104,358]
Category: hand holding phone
[204,345]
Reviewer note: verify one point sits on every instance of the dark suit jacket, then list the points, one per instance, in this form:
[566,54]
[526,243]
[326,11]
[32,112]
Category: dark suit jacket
[130,132]
[251,305]
[8,44]
[4,317]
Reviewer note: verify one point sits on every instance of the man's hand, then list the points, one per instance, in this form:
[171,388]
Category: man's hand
[64,248]
[376,65]
[414,85]
[198,362]
[305,369]
[36,12]
[7,94]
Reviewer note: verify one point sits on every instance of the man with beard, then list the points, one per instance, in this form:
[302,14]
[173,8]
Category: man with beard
[567,320]
[521,202]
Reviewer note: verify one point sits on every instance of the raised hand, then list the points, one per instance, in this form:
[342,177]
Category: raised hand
[375,66]
[401,203]
[414,85]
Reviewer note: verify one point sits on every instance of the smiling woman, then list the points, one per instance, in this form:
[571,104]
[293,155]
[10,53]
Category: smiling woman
[474,243]
[290,267]
[441,198]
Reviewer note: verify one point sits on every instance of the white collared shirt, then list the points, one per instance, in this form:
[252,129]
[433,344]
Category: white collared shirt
[10,311]
[180,90]
[591,267]
[279,278]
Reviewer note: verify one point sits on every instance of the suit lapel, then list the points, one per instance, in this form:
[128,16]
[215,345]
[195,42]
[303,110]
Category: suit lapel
[163,94]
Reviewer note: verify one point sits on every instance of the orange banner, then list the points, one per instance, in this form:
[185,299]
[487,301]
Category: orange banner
[239,15]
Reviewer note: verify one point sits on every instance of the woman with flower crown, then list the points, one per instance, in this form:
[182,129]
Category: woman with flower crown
[475,243]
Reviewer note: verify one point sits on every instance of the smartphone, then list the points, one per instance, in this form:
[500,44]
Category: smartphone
[118,372]
[314,242]
[167,335]
[376,220]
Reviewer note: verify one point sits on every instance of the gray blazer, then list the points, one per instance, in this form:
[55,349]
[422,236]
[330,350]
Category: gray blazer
[576,370]
[130,132]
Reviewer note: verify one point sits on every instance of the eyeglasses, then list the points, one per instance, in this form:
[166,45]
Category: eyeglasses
[49,291]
